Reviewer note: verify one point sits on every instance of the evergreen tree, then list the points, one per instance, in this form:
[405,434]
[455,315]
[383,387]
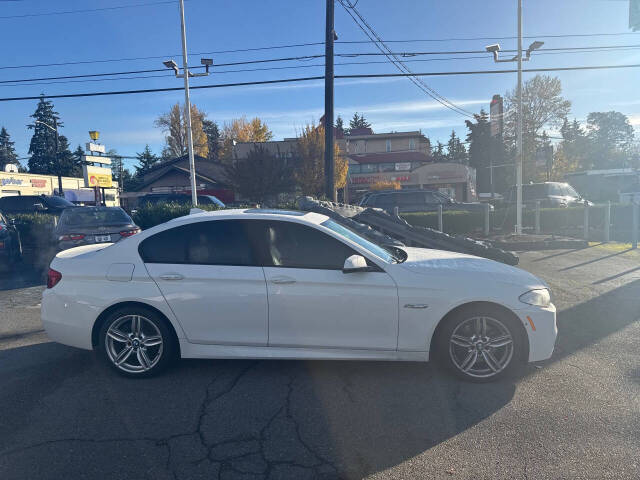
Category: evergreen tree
[485,151]
[456,151]
[340,125]
[42,146]
[212,131]
[7,152]
[358,121]
[438,153]
[146,160]
[69,166]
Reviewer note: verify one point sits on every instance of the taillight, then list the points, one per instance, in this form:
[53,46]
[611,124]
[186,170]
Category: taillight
[1,245]
[71,236]
[53,277]
[128,233]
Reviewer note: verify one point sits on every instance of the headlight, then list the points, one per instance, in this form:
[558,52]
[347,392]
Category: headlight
[539,297]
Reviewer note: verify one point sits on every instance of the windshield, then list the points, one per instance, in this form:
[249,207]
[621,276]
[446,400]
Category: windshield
[90,216]
[371,247]
[59,202]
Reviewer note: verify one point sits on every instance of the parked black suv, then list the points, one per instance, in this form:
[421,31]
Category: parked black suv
[154,198]
[34,203]
[416,201]
[550,195]
[10,247]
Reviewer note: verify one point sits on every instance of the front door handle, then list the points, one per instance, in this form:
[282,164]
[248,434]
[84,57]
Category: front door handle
[283,280]
[171,276]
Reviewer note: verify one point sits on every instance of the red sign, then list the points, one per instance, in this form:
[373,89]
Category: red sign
[38,183]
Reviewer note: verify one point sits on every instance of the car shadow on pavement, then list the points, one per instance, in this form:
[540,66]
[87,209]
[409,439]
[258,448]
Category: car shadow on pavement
[66,415]
[585,324]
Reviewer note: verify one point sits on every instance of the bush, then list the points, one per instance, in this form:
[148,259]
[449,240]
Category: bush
[149,215]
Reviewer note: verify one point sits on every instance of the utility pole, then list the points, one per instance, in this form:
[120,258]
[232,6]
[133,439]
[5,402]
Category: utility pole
[329,164]
[187,103]
[519,141]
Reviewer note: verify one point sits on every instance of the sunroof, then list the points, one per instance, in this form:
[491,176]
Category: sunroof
[293,213]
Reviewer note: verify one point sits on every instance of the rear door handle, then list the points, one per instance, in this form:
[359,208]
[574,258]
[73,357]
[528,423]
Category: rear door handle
[283,280]
[171,276]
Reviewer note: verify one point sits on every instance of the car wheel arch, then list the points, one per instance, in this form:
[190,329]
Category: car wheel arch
[522,332]
[97,325]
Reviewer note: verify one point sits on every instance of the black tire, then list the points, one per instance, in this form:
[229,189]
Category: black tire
[143,360]
[479,350]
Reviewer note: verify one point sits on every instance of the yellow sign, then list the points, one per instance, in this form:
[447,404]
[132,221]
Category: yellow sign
[97,176]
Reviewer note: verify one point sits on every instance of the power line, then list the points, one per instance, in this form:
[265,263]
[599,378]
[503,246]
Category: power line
[86,10]
[305,79]
[303,57]
[71,78]
[371,33]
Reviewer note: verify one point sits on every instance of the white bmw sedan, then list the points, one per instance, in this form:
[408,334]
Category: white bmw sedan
[292,285]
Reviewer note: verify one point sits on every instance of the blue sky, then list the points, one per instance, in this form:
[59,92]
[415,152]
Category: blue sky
[126,122]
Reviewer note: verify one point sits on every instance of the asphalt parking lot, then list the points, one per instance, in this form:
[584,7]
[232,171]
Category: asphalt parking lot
[577,416]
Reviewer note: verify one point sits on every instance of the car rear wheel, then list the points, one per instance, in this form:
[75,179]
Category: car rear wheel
[481,345]
[136,342]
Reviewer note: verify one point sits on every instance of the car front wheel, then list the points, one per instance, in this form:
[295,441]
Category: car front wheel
[136,342]
[480,346]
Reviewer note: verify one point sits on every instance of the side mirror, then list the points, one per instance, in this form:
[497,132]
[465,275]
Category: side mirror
[355,263]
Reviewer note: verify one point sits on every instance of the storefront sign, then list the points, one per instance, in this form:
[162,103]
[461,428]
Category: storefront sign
[11,181]
[378,178]
[94,147]
[96,159]
[38,182]
[403,166]
[97,176]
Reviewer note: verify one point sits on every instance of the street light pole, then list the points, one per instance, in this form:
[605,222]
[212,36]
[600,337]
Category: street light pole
[187,103]
[519,140]
[495,50]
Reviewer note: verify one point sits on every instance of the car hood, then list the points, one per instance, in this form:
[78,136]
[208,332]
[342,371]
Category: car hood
[425,261]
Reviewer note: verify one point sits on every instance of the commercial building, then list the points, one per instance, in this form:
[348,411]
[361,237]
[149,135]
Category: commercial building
[403,158]
[172,176]
[14,183]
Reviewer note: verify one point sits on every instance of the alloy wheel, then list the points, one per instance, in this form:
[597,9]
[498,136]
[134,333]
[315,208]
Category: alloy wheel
[134,344]
[481,347]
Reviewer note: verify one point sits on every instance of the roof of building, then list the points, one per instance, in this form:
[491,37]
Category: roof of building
[391,157]
[361,134]
[212,172]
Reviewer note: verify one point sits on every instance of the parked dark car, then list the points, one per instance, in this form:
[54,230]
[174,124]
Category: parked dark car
[89,225]
[34,203]
[550,195]
[10,246]
[416,201]
[154,198]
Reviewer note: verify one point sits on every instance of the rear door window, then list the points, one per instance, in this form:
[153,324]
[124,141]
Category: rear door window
[216,242]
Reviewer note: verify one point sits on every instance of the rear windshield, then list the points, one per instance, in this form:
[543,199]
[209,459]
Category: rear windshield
[59,202]
[88,216]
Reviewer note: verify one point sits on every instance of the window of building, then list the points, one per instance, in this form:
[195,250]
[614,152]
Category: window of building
[388,145]
[354,168]
[368,168]
[412,144]
[219,242]
[386,167]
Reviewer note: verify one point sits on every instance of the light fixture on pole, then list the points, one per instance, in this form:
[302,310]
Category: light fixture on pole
[207,62]
[495,50]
